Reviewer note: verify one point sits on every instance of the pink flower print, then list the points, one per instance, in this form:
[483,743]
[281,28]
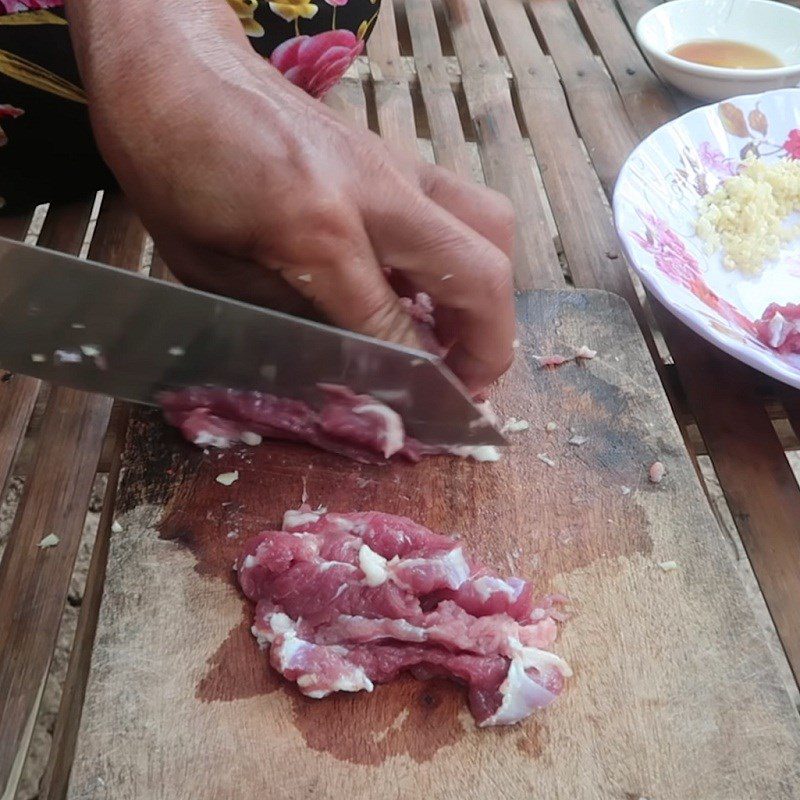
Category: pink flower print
[316,63]
[335,3]
[792,144]
[668,250]
[673,258]
[713,161]
[15,6]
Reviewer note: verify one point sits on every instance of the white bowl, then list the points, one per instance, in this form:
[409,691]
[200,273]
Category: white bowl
[769,25]
[655,211]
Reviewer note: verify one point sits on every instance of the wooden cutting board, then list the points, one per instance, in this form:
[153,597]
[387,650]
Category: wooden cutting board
[675,694]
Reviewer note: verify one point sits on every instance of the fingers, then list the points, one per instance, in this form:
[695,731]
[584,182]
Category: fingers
[341,277]
[464,272]
[231,277]
[487,212]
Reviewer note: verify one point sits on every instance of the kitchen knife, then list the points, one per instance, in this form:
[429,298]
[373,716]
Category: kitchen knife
[99,329]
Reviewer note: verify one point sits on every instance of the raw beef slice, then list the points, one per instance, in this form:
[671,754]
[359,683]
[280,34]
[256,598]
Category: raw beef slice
[346,601]
[353,425]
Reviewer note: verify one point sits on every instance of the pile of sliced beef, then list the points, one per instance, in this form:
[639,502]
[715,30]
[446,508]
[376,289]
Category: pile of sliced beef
[347,601]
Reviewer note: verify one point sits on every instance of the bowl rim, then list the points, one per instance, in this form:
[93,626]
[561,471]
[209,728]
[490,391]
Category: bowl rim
[769,365]
[724,73]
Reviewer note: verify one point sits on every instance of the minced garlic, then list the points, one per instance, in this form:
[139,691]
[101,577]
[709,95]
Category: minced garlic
[746,215]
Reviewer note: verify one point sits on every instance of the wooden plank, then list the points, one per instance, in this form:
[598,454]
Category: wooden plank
[34,581]
[17,402]
[17,392]
[753,472]
[505,163]
[647,101]
[62,747]
[392,94]
[573,190]
[447,135]
[593,98]
[668,664]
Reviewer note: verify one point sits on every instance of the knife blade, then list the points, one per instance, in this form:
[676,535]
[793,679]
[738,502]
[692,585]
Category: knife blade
[99,329]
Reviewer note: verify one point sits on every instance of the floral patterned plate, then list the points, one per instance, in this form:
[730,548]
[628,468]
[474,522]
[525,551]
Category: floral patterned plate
[655,210]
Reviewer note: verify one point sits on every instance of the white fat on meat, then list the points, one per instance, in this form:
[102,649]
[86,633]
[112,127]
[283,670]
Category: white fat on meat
[521,695]
[374,566]
[251,439]
[277,623]
[289,648]
[488,585]
[354,628]
[455,566]
[341,522]
[393,435]
[311,539]
[535,658]
[295,518]
[779,329]
[206,439]
[324,566]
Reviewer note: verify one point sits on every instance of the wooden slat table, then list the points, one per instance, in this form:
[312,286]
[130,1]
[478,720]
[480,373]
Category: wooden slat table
[541,99]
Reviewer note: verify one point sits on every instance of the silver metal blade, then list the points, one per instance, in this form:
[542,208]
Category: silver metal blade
[100,329]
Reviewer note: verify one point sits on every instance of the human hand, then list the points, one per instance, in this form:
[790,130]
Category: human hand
[250,188]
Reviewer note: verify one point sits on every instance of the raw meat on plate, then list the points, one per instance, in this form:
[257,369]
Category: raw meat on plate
[779,327]
[345,601]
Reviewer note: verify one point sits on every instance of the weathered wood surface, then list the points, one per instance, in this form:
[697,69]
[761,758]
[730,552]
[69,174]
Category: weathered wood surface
[33,581]
[675,694]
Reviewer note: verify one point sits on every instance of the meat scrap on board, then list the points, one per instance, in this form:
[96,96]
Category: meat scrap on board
[346,601]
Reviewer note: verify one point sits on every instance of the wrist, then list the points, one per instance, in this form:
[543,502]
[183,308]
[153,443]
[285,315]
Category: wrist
[140,64]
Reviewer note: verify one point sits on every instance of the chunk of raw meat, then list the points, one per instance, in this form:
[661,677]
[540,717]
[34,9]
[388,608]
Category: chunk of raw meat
[353,425]
[347,601]
[779,327]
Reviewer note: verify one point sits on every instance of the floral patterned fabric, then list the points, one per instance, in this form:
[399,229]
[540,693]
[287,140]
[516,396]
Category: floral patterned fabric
[46,146]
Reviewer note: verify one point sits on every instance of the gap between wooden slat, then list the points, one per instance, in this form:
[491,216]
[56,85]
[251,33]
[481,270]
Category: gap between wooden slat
[649,103]
[395,110]
[34,582]
[583,220]
[62,748]
[594,102]
[347,98]
[505,163]
[444,122]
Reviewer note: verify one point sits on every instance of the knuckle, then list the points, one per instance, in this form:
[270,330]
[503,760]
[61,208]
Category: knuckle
[498,276]
[380,317]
